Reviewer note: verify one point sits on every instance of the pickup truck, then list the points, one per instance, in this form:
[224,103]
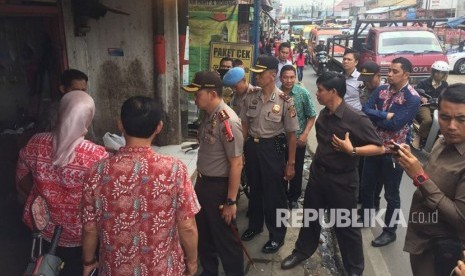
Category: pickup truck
[388,39]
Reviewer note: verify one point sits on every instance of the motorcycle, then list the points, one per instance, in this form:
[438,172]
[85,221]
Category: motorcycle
[434,130]
[321,64]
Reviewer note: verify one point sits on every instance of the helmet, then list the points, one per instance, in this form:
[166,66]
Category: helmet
[440,66]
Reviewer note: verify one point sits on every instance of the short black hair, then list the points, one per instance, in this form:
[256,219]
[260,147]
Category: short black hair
[405,64]
[350,51]
[140,116]
[237,62]
[287,68]
[227,59]
[330,80]
[455,93]
[72,74]
[284,45]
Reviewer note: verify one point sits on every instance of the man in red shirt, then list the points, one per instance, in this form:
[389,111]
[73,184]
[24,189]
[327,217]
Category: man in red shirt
[139,205]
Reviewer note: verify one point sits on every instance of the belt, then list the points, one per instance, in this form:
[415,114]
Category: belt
[329,170]
[264,140]
[213,178]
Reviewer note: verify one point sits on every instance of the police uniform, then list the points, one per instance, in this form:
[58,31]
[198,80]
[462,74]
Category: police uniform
[264,158]
[220,138]
[236,101]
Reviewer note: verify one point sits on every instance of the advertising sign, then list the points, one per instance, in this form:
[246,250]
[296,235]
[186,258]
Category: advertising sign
[244,52]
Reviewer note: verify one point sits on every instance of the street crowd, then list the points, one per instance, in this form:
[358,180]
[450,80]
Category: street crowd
[136,212]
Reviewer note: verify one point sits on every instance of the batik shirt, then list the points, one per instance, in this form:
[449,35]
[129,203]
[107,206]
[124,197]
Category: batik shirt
[135,199]
[60,187]
[404,104]
[303,107]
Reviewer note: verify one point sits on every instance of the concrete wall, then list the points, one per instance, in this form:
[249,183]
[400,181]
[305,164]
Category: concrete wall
[113,79]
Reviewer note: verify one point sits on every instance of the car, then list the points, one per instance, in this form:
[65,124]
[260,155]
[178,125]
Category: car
[456,61]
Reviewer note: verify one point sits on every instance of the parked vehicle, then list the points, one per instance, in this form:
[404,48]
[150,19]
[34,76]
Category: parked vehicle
[388,39]
[457,60]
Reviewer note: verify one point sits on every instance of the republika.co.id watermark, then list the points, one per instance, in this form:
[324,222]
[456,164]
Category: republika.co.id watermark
[350,218]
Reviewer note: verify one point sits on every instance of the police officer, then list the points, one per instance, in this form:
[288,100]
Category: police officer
[266,117]
[235,78]
[219,167]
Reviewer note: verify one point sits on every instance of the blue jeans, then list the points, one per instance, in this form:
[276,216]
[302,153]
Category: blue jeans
[376,169]
[300,73]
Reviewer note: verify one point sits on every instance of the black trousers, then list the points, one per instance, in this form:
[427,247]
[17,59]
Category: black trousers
[216,238]
[71,256]
[332,191]
[264,164]
[295,185]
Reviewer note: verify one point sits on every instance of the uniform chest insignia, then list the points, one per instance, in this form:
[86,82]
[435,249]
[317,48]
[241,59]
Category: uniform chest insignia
[292,112]
[285,97]
[252,107]
[254,101]
[276,108]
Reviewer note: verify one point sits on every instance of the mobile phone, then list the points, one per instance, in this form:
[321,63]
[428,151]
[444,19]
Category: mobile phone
[395,146]
[94,272]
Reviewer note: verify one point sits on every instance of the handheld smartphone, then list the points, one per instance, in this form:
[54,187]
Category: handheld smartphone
[395,146]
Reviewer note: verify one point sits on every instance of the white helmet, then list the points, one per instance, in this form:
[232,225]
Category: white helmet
[441,66]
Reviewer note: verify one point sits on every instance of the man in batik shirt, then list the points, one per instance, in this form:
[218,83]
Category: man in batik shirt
[140,204]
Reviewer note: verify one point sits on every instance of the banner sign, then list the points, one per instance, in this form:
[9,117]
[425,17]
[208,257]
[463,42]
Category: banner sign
[244,52]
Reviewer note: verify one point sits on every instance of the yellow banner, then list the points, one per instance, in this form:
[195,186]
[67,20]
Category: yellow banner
[244,52]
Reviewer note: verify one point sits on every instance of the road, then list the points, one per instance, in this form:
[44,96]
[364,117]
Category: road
[391,259]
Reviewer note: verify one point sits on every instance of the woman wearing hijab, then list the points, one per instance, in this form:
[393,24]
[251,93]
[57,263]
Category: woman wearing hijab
[51,169]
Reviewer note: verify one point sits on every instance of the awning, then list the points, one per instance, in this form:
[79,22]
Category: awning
[456,22]
[386,9]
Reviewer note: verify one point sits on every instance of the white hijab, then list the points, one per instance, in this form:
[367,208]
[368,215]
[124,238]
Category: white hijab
[76,111]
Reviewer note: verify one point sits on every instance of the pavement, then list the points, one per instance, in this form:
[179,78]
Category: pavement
[325,262]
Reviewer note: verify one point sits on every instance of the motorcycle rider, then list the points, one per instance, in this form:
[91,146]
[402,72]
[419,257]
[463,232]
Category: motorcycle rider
[432,86]
[321,46]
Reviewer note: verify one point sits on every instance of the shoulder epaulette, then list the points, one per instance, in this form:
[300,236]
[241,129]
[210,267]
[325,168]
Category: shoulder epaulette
[223,115]
[285,97]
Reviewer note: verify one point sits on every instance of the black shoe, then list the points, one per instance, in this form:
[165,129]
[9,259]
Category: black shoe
[384,239]
[292,260]
[271,247]
[248,235]
[293,205]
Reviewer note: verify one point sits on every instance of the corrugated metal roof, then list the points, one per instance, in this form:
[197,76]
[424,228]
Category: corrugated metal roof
[385,9]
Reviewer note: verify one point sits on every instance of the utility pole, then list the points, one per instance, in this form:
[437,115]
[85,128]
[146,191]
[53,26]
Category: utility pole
[257,5]
[334,4]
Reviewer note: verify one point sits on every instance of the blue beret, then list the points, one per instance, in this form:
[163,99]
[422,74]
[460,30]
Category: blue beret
[233,76]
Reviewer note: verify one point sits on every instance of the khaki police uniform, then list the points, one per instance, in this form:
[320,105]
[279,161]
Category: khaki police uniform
[236,101]
[217,144]
[264,154]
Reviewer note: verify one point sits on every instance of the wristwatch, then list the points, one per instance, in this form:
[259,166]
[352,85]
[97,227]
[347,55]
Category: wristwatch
[230,202]
[354,151]
[419,179]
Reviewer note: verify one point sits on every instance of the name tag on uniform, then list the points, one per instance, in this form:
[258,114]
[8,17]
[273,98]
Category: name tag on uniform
[252,107]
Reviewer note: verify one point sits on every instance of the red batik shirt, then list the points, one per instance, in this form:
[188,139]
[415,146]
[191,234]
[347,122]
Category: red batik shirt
[60,187]
[135,199]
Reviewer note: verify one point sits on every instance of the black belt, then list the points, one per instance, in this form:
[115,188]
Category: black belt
[329,170]
[213,178]
[265,140]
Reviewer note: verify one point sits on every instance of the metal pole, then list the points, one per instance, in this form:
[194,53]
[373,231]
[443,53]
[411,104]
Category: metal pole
[257,5]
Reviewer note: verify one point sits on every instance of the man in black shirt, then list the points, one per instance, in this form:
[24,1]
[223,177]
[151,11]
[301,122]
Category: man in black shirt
[343,134]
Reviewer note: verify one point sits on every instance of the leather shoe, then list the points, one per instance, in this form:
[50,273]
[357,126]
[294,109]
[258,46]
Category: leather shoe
[292,260]
[271,247]
[384,239]
[248,235]
[293,205]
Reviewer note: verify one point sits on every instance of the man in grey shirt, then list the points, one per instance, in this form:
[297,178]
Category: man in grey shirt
[349,63]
